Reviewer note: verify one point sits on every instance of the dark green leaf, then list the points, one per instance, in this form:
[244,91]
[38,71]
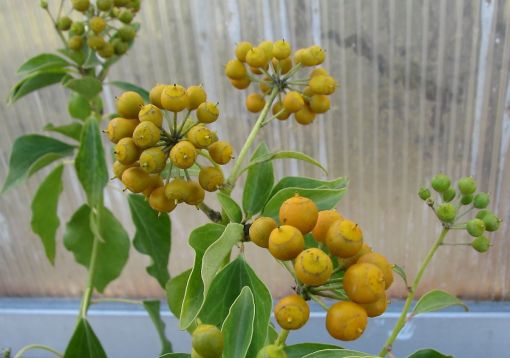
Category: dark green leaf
[218,251]
[325,199]
[72,130]
[152,308]
[310,183]
[152,237]
[45,221]
[259,183]
[36,81]
[113,244]
[436,300]
[338,353]
[31,153]
[225,288]
[41,62]
[84,343]
[401,272]
[238,325]
[302,349]
[428,353]
[90,162]
[126,86]
[175,289]
[200,239]
[285,155]
[88,87]
[230,207]
[78,106]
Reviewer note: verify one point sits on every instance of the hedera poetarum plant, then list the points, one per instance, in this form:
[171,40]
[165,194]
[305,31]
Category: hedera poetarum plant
[166,156]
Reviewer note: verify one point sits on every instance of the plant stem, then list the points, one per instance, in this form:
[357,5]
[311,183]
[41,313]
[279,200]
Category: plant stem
[236,170]
[37,346]
[319,301]
[402,319]
[282,337]
[213,215]
[117,300]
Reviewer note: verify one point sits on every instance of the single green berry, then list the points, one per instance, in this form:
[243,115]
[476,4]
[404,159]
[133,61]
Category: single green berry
[491,222]
[466,199]
[440,183]
[467,185]
[475,227]
[78,28]
[127,33]
[446,212]
[120,46]
[104,5]
[449,194]
[482,213]
[481,200]
[272,351]
[126,16]
[424,193]
[481,244]
[43,4]
[64,23]
[207,341]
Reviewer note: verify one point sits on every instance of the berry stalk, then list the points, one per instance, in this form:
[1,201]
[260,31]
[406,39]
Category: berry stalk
[402,319]
[30,347]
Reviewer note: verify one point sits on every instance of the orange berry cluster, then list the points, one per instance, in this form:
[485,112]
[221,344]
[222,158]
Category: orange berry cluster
[272,65]
[145,151]
[359,280]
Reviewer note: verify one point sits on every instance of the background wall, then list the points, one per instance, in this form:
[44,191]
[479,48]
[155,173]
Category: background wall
[424,87]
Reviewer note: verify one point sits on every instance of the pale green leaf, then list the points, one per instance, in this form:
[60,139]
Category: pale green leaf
[436,300]
[35,81]
[428,353]
[153,309]
[175,289]
[88,87]
[72,130]
[41,62]
[285,155]
[126,86]
[302,349]
[309,183]
[401,272]
[230,207]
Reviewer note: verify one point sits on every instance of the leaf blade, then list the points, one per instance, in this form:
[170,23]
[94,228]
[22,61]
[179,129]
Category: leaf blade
[428,353]
[36,81]
[88,87]
[436,300]
[175,289]
[84,343]
[309,183]
[40,62]
[230,207]
[287,155]
[153,309]
[131,87]
[72,130]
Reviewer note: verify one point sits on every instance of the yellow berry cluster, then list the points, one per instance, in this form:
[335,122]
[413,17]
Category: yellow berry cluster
[96,29]
[359,280]
[272,65]
[143,147]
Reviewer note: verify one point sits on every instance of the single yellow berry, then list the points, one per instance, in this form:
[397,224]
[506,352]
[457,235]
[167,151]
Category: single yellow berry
[376,308]
[153,160]
[174,98]
[126,151]
[129,104]
[97,24]
[220,152]
[207,112]
[96,42]
[151,113]
[286,242]
[304,116]
[196,193]
[260,230]
[267,46]
[293,102]
[280,112]
[364,283]
[177,190]
[383,264]
[196,96]
[210,178]
[344,238]
[256,57]
[119,128]
[319,71]
[346,321]
[155,95]
[325,219]
[241,83]
[242,49]
[281,49]
[159,202]
[292,312]
[200,136]
[283,66]
[319,103]
[136,179]
[313,267]
[322,84]
[183,154]
[235,69]
[146,134]
[300,212]
[255,102]
[119,168]
[155,182]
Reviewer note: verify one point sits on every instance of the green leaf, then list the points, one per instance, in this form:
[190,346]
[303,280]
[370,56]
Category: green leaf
[31,153]
[272,334]
[324,199]
[428,353]
[436,300]
[152,308]
[259,182]
[152,237]
[78,106]
[302,349]
[90,162]
[45,221]
[84,343]
[36,81]
[126,86]
[401,272]
[225,288]
[72,130]
[338,353]
[200,239]
[175,355]
[230,207]
[91,61]
[77,57]
[238,325]
[113,244]
[88,87]
[310,183]
[41,62]
[285,155]
[218,251]
[175,289]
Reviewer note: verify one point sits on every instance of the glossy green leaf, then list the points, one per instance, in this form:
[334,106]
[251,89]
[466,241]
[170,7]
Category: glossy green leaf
[309,183]
[401,272]
[113,244]
[338,353]
[84,343]
[72,130]
[285,155]
[200,239]
[259,183]
[225,288]
[302,349]
[78,106]
[175,289]
[41,62]
[90,162]
[126,86]
[218,251]
[436,300]
[35,81]
[153,309]
[88,87]
[45,221]
[230,207]
[238,325]
[428,353]
[324,199]
[152,236]
[31,153]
